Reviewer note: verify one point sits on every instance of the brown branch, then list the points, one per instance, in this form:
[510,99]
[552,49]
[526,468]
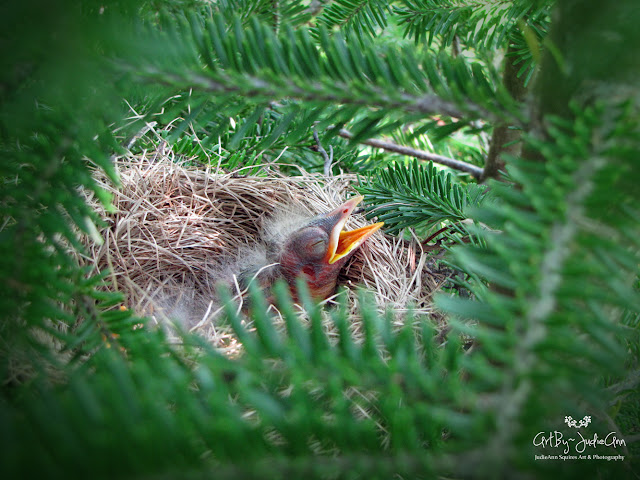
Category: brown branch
[476,172]
[505,139]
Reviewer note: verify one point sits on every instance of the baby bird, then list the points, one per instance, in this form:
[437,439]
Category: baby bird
[293,247]
[315,252]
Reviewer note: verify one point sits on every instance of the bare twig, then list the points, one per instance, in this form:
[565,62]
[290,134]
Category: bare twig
[328,159]
[473,170]
[328,163]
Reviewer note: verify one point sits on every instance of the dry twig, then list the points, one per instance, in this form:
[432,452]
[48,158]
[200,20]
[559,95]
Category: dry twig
[476,172]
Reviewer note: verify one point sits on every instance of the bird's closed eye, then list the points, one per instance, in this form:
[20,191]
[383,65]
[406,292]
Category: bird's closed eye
[317,248]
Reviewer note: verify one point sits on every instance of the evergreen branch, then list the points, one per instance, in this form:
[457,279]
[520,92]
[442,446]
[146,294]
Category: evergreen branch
[430,18]
[419,196]
[358,16]
[525,44]
[255,63]
[294,395]
[272,13]
[554,260]
[473,170]
[262,90]
[482,24]
[484,27]
[528,308]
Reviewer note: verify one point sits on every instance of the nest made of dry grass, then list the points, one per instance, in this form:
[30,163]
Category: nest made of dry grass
[178,230]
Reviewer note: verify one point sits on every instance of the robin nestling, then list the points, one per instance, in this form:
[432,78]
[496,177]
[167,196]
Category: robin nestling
[315,252]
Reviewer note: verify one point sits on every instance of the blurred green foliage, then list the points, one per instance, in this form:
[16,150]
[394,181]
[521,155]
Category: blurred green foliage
[550,257]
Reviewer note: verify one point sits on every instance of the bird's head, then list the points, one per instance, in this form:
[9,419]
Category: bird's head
[317,251]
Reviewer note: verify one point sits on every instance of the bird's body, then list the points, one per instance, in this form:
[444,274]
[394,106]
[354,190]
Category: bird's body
[314,250]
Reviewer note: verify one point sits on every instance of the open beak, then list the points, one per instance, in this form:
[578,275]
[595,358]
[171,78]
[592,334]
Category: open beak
[341,242]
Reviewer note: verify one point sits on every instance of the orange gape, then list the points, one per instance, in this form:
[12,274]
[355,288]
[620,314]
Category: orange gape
[317,251]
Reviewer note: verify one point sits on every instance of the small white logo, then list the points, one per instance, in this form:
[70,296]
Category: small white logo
[574,445]
[577,423]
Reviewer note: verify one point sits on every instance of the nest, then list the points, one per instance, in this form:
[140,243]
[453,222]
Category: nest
[178,231]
